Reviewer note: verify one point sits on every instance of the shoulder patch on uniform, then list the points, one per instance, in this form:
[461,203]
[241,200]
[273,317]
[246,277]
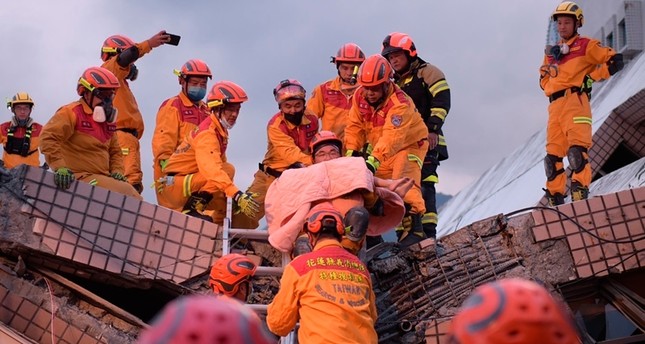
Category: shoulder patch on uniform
[397,120]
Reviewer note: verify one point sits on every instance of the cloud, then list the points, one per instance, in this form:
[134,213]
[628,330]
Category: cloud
[490,52]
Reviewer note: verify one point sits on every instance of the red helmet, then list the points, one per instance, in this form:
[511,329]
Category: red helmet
[397,41]
[374,71]
[224,92]
[96,78]
[322,137]
[348,53]
[324,215]
[114,45]
[289,89]
[194,67]
[229,272]
[202,319]
[512,311]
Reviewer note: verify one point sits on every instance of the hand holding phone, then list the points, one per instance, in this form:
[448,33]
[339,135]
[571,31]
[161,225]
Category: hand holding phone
[174,39]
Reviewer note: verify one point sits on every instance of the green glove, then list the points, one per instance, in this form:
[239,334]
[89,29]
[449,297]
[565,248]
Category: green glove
[163,164]
[119,176]
[587,83]
[63,178]
[351,152]
[372,163]
[246,204]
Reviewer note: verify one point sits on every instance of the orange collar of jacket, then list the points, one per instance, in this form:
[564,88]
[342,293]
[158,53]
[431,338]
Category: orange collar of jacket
[326,243]
[86,107]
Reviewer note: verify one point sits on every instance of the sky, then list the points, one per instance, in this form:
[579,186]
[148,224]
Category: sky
[490,52]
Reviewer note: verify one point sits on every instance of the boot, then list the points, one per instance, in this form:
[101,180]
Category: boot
[430,229]
[196,204]
[578,192]
[554,200]
[414,235]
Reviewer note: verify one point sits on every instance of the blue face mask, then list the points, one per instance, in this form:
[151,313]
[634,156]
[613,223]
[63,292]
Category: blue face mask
[196,93]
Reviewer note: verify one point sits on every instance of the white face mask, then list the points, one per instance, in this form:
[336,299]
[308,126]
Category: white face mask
[99,115]
[225,123]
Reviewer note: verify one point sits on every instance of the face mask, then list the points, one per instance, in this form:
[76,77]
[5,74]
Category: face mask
[196,93]
[225,124]
[104,112]
[134,72]
[295,118]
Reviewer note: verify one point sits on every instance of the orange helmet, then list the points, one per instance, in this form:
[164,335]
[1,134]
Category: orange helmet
[289,89]
[229,272]
[194,67]
[374,71]
[205,319]
[512,311]
[96,78]
[114,45]
[224,92]
[325,137]
[397,41]
[324,215]
[348,53]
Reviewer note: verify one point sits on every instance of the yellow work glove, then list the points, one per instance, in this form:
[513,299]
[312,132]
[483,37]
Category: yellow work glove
[246,204]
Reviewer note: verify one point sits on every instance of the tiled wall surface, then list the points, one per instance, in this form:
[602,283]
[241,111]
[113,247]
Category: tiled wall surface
[112,232]
[612,239]
[32,317]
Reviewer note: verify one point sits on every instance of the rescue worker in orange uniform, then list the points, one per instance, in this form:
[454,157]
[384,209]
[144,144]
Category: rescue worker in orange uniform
[513,311]
[179,115]
[428,88]
[198,174]
[119,53]
[329,290]
[289,133]
[331,100]
[20,137]
[79,142]
[384,117]
[231,276]
[566,76]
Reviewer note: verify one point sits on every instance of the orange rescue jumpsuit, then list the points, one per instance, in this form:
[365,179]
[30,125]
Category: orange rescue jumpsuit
[13,139]
[129,121]
[288,144]
[176,118]
[200,164]
[570,114]
[72,139]
[330,292]
[331,103]
[399,137]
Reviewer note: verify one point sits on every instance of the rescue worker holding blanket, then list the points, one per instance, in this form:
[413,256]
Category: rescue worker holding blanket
[566,76]
[289,133]
[385,126]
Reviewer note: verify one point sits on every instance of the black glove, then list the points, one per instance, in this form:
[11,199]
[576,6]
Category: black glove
[586,86]
[63,178]
[297,165]
[351,152]
[615,64]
